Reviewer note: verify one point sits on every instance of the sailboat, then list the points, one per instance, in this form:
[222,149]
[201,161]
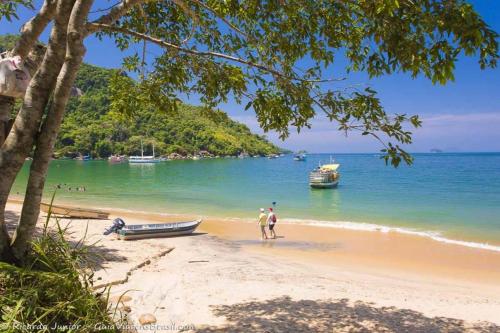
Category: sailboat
[142,158]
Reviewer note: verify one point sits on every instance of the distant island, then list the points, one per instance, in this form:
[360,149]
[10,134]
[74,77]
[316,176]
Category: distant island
[435,150]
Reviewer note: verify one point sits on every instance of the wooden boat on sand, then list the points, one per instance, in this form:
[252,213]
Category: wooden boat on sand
[138,231]
[74,212]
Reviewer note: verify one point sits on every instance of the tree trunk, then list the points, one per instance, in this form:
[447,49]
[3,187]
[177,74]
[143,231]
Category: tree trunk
[50,129]
[21,137]
[6,106]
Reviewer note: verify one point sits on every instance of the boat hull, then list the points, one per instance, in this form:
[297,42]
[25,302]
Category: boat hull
[73,212]
[324,185]
[324,179]
[158,230]
[144,161]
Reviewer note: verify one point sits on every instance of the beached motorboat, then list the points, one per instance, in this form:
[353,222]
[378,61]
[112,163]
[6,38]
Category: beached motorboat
[137,231]
[74,212]
[324,176]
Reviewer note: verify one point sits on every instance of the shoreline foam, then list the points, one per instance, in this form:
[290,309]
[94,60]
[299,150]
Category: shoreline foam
[347,225]
[372,227]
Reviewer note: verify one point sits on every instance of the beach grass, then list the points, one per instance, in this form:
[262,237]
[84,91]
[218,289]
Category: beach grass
[52,291]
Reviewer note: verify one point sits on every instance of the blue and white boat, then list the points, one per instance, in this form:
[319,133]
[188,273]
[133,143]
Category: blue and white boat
[300,157]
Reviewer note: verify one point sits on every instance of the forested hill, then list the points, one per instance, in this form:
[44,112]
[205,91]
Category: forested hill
[89,127]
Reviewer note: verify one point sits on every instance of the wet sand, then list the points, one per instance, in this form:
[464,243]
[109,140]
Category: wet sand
[309,279]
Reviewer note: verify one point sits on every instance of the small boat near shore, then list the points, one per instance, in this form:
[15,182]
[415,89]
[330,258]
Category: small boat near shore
[74,212]
[117,159]
[83,158]
[139,231]
[324,176]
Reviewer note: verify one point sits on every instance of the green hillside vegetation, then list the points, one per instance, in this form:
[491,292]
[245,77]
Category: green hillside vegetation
[89,127]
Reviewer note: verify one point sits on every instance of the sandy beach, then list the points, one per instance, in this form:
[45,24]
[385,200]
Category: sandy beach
[310,279]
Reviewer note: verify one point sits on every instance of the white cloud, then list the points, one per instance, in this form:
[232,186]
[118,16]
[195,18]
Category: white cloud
[449,132]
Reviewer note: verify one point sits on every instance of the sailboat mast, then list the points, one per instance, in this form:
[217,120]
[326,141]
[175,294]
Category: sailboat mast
[153,150]
[142,150]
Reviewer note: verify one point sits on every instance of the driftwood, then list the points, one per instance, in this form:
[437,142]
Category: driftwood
[136,267]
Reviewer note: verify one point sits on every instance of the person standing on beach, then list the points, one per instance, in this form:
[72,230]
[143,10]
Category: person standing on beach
[262,224]
[271,221]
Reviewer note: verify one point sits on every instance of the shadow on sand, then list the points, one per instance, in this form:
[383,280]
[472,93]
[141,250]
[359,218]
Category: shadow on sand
[11,220]
[286,315]
[98,254]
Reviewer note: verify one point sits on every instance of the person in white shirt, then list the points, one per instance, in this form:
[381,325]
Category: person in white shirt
[271,221]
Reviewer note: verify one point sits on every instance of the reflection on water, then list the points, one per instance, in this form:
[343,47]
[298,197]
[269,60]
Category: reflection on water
[329,200]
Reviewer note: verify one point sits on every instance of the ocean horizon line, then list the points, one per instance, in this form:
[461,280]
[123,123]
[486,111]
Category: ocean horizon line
[418,153]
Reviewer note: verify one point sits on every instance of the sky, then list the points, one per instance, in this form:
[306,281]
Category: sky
[462,116]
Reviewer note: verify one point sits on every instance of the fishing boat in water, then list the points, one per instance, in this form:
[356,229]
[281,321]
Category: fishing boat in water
[83,158]
[74,212]
[325,176]
[117,159]
[138,231]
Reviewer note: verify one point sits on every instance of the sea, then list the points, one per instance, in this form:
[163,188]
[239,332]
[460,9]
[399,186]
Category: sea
[453,198]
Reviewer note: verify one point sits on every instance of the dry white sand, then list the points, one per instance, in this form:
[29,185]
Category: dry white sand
[210,284]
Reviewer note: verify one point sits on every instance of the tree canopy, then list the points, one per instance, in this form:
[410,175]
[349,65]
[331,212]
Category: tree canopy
[254,51]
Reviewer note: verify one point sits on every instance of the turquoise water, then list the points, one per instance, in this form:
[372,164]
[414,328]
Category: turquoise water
[456,196]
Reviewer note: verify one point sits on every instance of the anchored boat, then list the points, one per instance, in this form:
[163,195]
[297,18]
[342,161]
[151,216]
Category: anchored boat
[138,231]
[117,159]
[142,158]
[325,176]
[300,157]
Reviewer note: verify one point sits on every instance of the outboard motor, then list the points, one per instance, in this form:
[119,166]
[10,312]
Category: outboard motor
[118,224]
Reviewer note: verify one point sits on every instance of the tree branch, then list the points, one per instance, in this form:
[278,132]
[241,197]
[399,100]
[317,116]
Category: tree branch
[222,18]
[162,43]
[33,28]
[115,13]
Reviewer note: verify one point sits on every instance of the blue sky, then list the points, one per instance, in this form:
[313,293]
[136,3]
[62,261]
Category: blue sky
[462,116]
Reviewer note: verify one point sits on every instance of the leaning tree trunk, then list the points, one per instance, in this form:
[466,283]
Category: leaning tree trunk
[20,140]
[50,129]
